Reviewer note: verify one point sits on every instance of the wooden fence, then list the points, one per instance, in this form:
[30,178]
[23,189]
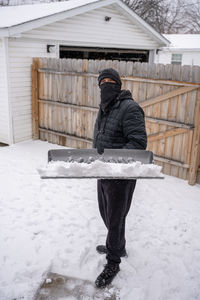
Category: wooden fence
[65,101]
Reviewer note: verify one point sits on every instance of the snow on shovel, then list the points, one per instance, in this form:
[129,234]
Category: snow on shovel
[112,164]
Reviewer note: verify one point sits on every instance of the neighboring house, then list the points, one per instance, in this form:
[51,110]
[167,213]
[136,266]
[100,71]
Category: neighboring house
[184,49]
[91,29]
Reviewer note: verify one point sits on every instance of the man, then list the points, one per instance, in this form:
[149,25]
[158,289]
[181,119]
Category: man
[120,124]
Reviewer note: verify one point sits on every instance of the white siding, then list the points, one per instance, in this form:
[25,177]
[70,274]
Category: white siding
[4,129]
[163,57]
[92,30]
[188,57]
[21,52]
[191,58]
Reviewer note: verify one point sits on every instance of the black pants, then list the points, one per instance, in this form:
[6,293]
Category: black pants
[114,198]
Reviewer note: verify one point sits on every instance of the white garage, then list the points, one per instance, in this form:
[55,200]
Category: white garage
[92,29]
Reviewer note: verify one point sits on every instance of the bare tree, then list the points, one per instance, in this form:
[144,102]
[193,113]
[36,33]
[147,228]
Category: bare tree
[193,18]
[146,9]
[173,17]
[164,15]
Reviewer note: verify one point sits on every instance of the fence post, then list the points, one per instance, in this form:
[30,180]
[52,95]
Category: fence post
[84,81]
[194,161]
[35,96]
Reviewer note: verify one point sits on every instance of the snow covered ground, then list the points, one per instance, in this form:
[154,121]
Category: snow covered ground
[54,225]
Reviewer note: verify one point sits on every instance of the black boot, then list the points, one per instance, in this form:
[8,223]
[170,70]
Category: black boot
[101,249]
[107,275]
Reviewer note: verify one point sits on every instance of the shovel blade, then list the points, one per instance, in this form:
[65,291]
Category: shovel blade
[109,155]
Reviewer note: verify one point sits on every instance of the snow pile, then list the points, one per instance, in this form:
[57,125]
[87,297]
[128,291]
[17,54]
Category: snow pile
[100,169]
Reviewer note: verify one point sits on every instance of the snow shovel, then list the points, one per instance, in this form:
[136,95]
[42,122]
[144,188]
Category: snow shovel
[113,156]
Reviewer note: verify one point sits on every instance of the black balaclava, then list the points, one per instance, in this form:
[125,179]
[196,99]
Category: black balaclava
[109,90]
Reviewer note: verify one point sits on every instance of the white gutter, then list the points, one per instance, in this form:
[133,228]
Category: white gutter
[7,90]
[171,49]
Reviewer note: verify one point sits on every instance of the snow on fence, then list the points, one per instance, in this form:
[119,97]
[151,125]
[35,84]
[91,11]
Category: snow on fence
[65,101]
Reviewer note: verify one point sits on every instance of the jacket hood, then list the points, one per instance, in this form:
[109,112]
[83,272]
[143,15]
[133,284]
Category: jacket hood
[124,94]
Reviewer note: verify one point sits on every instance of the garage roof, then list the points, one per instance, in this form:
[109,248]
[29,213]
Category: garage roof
[15,15]
[17,19]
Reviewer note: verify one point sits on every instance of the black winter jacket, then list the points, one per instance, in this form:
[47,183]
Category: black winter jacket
[123,126]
